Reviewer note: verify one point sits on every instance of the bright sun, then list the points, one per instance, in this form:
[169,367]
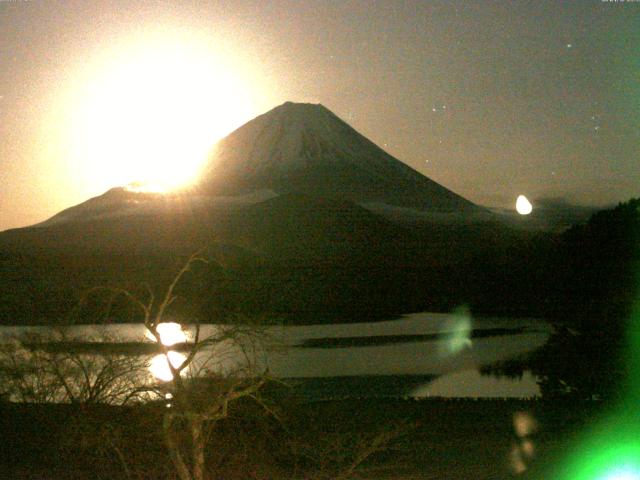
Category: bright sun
[149,112]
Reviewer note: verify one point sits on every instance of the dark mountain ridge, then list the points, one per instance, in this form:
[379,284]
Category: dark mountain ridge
[282,206]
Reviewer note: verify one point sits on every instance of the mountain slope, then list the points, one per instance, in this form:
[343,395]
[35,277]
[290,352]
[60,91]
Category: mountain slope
[284,205]
[292,149]
[301,148]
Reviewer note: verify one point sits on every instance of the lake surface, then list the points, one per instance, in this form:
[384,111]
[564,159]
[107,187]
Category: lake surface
[417,355]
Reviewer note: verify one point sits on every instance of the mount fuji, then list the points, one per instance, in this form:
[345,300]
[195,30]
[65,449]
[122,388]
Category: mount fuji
[305,214]
[301,148]
[295,148]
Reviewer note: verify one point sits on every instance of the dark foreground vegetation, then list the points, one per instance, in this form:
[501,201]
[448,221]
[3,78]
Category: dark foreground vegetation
[394,439]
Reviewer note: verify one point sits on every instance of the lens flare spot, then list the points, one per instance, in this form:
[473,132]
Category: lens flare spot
[524,424]
[523,205]
[623,473]
[457,333]
[517,462]
[528,448]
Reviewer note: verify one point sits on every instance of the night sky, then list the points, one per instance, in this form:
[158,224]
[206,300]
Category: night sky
[490,99]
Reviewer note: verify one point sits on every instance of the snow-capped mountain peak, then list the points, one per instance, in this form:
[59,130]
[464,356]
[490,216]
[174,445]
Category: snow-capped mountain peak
[305,148]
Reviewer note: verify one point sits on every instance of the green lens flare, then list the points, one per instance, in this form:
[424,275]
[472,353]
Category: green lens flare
[613,454]
[611,449]
[624,473]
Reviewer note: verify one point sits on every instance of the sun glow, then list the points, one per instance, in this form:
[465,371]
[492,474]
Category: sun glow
[149,111]
[170,333]
[145,187]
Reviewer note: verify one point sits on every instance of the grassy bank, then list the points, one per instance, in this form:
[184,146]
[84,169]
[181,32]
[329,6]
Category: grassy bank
[443,439]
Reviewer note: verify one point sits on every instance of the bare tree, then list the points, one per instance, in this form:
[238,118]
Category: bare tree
[56,367]
[217,370]
[341,455]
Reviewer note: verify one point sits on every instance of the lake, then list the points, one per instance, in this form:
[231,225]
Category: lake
[417,355]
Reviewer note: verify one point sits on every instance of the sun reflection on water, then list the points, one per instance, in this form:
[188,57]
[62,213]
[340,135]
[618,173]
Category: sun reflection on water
[159,366]
[171,333]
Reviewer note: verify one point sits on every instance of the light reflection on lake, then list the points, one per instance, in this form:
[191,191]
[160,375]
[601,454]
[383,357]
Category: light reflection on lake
[159,366]
[170,333]
[472,384]
[412,347]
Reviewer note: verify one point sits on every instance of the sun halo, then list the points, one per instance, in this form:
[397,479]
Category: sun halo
[151,115]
